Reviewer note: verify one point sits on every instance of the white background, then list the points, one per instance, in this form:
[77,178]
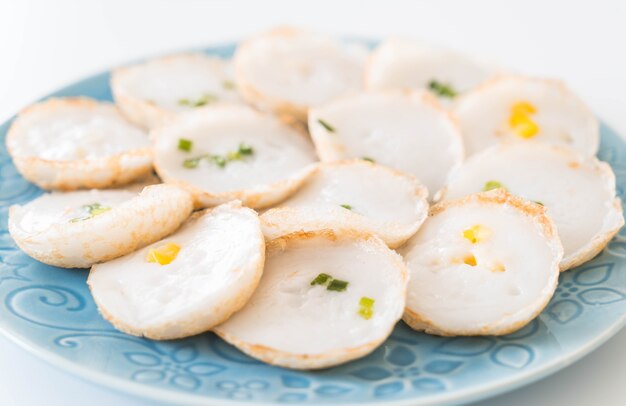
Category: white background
[47,44]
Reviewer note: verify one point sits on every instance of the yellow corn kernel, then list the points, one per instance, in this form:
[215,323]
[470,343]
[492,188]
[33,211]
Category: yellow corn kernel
[470,260]
[524,126]
[523,108]
[476,233]
[520,121]
[164,254]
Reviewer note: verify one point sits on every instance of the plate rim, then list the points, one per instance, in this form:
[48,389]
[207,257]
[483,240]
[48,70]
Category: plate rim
[466,396]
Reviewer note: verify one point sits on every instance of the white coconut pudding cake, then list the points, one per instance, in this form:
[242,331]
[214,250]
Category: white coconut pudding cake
[405,130]
[332,296]
[288,70]
[578,192]
[390,204]
[310,194]
[155,91]
[80,228]
[77,143]
[177,287]
[231,152]
[470,272]
[399,63]
[521,108]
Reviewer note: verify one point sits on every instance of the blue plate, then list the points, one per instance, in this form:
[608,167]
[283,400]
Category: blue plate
[49,311]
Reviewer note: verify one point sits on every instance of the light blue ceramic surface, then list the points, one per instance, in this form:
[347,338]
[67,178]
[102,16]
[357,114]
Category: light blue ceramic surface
[50,312]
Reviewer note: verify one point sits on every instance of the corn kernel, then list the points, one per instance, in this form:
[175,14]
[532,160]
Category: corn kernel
[523,108]
[164,254]
[520,121]
[470,260]
[524,127]
[476,233]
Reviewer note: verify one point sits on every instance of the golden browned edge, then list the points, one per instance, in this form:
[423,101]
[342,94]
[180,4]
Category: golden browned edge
[199,324]
[30,166]
[599,241]
[317,361]
[285,110]
[302,361]
[501,196]
[420,190]
[276,192]
[373,56]
[139,112]
[597,244]
[251,94]
[560,85]
[55,257]
[497,196]
[393,239]
[419,323]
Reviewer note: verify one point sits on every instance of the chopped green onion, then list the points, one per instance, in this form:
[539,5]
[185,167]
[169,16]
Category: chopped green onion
[202,101]
[205,99]
[368,159]
[321,279]
[492,184]
[346,206]
[193,163]
[218,160]
[228,84]
[441,89]
[97,210]
[77,219]
[245,149]
[233,156]
[94,209]
[184,144]
[337,285]
[327,126]
[538,202]
[331,283]
[366,307]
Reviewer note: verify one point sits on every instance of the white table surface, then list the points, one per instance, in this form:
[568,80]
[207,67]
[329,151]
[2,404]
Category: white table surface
[46,44]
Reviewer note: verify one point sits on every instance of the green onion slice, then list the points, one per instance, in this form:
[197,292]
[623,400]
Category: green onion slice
[185,144]
[327,126]
[94,209]
[203,100]
[492,184]
[337,285]
[321,279]
[442,89]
